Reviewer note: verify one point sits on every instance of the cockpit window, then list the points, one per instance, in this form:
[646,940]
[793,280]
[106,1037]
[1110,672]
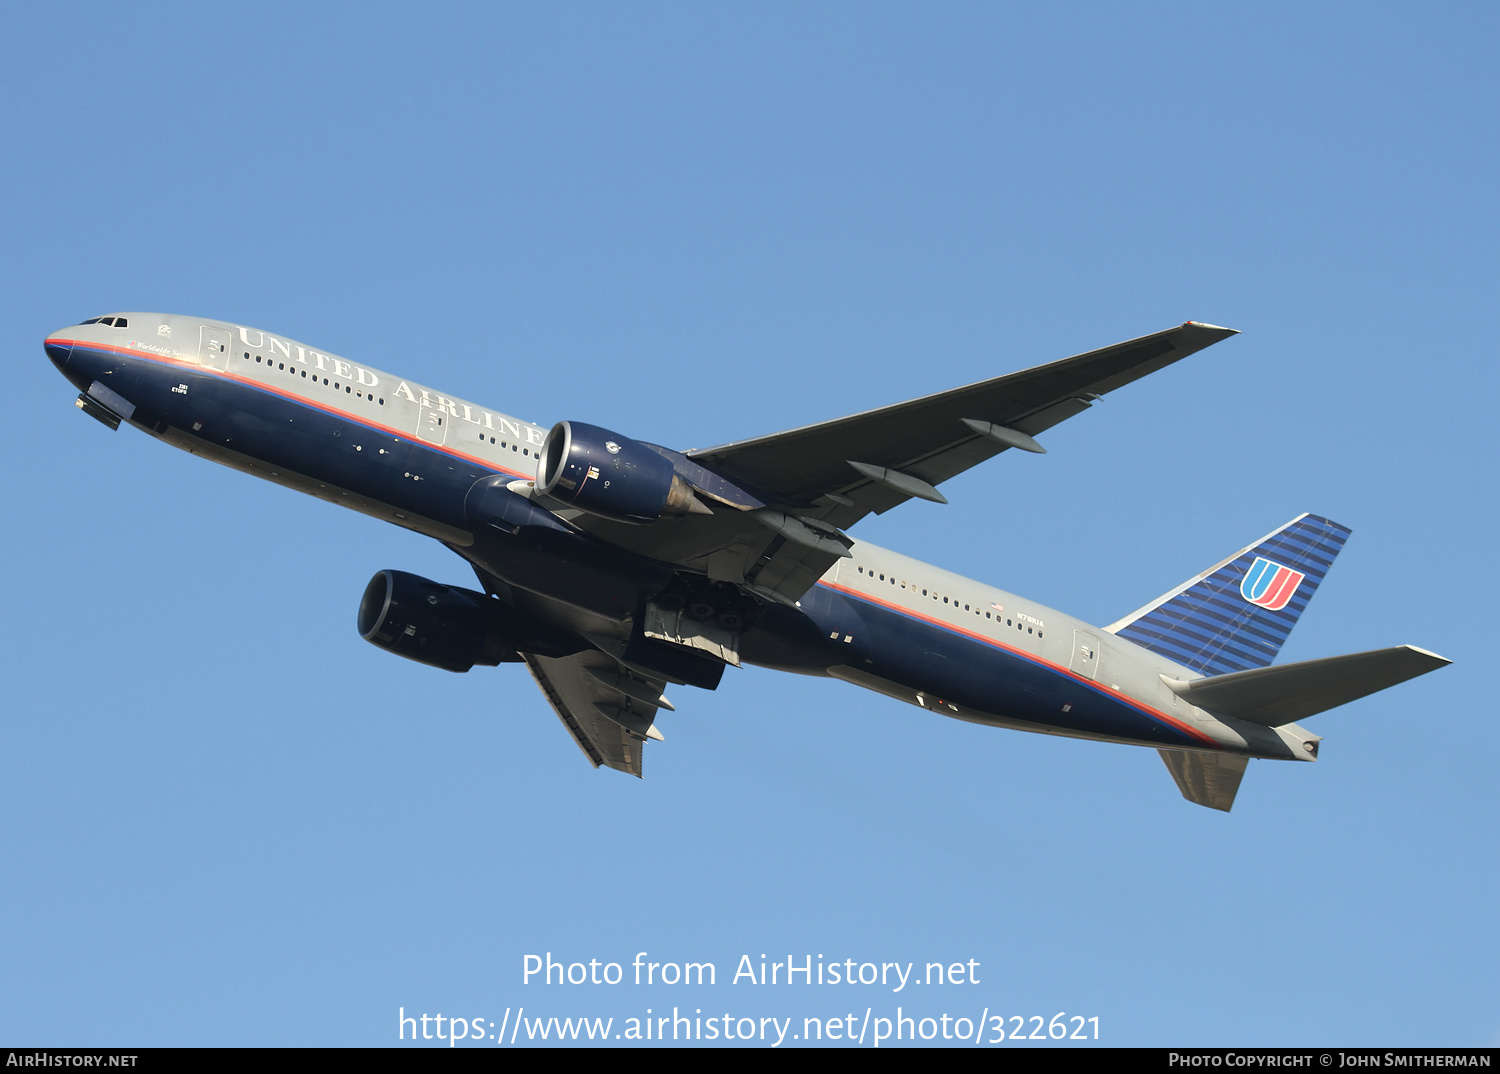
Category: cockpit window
[117,322]
[121,322]
[92,320]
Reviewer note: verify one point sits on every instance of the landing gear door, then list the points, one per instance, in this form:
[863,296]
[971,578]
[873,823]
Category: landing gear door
[1085,660]
[213,348]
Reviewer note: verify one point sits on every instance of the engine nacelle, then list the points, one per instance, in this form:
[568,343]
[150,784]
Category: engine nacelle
[613,476]
[433,623]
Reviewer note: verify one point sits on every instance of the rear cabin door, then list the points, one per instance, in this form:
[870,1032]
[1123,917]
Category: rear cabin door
[1085,660]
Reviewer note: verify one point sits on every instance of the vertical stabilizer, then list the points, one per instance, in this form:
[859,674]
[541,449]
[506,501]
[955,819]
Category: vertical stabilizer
[1237,614]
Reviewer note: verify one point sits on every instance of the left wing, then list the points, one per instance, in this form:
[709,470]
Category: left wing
[876,460]
[780,502]
[608,710]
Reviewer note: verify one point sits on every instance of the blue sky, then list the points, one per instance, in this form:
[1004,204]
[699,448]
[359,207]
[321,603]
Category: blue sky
[228,820]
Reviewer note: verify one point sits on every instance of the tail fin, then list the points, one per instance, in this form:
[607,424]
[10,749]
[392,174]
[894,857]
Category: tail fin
[1237,614]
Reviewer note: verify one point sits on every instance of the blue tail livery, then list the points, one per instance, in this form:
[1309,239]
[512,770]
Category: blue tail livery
[1237,614]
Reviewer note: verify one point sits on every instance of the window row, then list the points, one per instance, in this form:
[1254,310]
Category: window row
[349,389]
[994,615]
[513,447]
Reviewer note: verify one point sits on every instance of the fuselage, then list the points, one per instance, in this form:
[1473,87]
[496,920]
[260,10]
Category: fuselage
[391,448]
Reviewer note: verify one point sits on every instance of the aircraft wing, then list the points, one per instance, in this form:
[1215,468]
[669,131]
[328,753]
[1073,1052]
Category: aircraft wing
[939,436]
[607,709]
[781,502]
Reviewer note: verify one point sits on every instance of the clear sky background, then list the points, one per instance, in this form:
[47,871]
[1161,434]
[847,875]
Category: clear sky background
[226,819]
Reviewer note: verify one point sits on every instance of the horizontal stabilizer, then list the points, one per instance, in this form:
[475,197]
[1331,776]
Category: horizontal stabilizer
[1206,779]
[1279,695]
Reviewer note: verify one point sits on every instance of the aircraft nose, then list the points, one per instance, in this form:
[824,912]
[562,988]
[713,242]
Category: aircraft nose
[59,349]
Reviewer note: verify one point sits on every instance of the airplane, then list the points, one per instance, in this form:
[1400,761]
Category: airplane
[613,567]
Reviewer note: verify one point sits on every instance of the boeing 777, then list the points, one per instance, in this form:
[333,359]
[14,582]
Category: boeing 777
[612,567]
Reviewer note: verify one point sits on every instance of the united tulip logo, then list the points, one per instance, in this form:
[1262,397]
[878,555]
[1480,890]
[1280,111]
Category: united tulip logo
[1270,585]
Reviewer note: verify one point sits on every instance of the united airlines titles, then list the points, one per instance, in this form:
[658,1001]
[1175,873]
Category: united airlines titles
[348,371]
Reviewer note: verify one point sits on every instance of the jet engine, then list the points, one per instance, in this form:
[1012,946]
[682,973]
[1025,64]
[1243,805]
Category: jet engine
[612,476]
[447,627]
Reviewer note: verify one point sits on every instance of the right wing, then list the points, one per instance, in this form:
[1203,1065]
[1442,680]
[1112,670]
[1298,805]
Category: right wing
[606,708]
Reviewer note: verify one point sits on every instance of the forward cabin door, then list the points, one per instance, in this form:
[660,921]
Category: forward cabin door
[213,348]
[432,424]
